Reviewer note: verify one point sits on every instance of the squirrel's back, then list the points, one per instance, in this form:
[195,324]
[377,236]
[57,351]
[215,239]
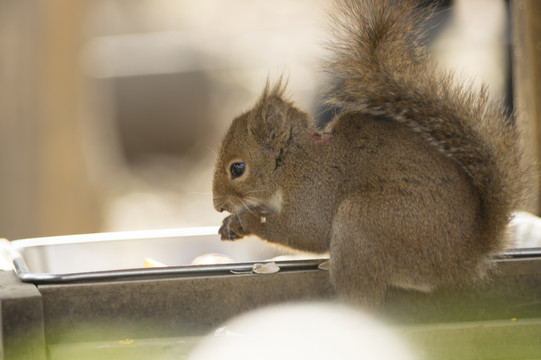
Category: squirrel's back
[378,67]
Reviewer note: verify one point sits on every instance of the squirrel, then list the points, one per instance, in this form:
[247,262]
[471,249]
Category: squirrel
[411,184]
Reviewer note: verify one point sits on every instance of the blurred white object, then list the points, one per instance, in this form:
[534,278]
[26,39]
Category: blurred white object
[303,331]
[525,230]
[212,259]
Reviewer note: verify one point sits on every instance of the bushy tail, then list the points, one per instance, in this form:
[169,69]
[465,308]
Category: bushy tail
[378,67]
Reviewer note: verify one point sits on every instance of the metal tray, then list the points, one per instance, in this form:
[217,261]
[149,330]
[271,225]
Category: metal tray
[121,255]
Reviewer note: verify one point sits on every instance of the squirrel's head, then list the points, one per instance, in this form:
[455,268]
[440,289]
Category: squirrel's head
[251,156]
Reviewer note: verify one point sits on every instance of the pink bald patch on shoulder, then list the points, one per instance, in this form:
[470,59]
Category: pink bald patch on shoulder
[320,138]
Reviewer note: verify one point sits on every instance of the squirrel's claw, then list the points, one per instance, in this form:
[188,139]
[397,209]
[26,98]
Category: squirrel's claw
[226,234]
[231,229]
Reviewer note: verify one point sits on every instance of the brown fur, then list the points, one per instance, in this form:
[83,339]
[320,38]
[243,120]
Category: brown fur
[411,185]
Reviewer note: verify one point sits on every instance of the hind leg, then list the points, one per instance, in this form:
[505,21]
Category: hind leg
[359,269]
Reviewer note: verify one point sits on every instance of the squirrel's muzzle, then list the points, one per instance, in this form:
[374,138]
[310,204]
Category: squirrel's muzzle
[219,205]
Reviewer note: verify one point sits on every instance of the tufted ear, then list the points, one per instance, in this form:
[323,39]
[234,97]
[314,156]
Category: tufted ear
[269,123]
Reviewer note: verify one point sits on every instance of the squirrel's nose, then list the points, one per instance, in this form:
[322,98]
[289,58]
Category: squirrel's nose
[219,206]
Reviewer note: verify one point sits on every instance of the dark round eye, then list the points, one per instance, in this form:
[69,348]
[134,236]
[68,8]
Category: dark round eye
[237,169]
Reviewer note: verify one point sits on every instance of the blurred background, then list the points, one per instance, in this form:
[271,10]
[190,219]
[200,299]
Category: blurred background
[111,111]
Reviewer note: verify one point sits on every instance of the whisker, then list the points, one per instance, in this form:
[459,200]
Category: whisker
[215,198]
[214,152]
[200,193]
[246,207]
[254,191]
[240,221]
[250,207]
[222,205]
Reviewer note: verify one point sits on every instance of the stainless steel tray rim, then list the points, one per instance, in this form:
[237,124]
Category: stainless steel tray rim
[161,272]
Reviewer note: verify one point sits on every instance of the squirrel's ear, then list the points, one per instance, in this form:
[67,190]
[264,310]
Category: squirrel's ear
[270,126]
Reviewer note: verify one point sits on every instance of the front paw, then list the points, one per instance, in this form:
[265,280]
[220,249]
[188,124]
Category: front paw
[232,228]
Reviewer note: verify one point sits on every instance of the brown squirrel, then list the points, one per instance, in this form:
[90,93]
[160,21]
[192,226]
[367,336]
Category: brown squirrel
[412,184]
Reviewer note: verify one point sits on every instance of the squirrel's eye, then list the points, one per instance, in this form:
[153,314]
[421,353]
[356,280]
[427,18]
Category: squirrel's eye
[237,169]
